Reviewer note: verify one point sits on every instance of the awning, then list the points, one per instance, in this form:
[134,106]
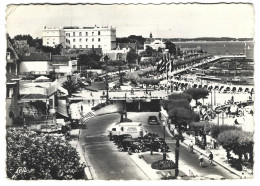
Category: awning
[42,78]
[63,90]
[62,108]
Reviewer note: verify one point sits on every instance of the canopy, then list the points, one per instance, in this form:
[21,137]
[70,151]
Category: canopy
[42,78]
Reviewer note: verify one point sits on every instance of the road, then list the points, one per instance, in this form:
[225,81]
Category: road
[192,160]
[107,161]
[110,164]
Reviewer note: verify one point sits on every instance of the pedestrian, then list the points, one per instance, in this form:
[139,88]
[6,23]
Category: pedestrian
[210,158]
[201,159]
[191,146]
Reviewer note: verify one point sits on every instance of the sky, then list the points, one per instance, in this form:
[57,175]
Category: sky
[163,21]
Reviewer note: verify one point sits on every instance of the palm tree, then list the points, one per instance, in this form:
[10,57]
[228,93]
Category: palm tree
[71,86]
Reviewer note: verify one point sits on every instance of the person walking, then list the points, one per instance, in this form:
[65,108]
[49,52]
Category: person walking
[201,159]
[191,146]
[211,158]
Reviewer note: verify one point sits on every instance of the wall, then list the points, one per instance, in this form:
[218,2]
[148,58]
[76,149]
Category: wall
[90,38]
[52,37]
[34,66]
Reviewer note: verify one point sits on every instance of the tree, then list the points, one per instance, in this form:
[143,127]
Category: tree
[90,60]
[32,157]
[180,115]
[197,93]
[71,86]
[28,38]
[180,96]
[131,56]
[149,51]
[171,47]
[238,141]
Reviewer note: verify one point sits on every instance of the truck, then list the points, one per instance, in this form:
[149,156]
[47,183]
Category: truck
[135,129]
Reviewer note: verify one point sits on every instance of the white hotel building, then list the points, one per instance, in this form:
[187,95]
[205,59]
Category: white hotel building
[85,38]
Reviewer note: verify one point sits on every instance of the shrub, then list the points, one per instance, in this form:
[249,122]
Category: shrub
[163,164]
[31,156]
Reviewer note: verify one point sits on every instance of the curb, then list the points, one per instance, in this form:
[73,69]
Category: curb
[88,170]
[203,153]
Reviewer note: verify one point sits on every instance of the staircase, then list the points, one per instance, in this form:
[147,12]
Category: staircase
[87,117]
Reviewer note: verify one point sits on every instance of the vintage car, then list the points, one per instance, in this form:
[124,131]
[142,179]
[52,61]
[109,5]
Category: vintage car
[120,138]
[152,120]
[129,144]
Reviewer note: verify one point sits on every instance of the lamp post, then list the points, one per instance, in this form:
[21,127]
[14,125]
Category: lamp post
[47,103]
[177,146]
[106,58]
[164,152]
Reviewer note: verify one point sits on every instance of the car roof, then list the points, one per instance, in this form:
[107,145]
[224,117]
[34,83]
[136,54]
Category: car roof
[128,139]
[129,123]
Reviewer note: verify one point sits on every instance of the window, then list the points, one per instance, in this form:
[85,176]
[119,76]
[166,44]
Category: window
[86,46]
[54,43]
[80,40]
[99,33]
[99,46]
[86,40]
[92,33]
[47,42]
[92,46]
[73,33]
[80,46]
[74,46]
[79,33]
[74,40]
[10,93]
[68,34]
[92,39]
[99,39]
[86,33]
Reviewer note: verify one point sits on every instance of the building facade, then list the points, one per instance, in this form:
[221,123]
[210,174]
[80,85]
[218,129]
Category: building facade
[156,44]
[81,38]
[53,36]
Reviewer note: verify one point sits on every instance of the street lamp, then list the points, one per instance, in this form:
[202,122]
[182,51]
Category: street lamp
[177,146]
[106,58]
[164,152]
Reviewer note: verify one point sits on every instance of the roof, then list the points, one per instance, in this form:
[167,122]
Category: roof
[36,56]
[10,78]
[34,96]
[11,47]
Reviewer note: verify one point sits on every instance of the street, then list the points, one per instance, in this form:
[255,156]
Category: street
[191,160]
[110,164]
[107,161]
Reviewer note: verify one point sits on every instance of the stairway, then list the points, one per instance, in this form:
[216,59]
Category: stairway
[88,116]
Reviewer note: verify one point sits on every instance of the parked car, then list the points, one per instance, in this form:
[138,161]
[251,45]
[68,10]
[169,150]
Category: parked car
[152,120]
[157,146]
[98,79]
[120,138]
[130,144]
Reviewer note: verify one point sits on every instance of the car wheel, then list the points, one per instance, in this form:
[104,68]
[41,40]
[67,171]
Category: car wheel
[159,150]
[136,150]
[121,149]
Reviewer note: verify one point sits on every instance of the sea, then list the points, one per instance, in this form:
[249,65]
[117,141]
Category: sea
[222,47]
